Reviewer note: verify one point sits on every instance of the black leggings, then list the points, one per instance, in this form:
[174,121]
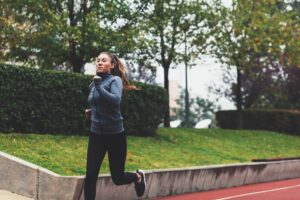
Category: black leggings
[116,147]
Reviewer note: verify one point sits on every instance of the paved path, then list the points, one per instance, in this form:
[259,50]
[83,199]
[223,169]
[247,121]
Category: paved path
[279,190]
[5,195]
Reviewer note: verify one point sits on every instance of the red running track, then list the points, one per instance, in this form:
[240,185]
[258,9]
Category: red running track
[279,190]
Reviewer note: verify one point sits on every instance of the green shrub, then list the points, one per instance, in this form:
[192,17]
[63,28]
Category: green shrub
[143,109]
[53,102]
[287,121]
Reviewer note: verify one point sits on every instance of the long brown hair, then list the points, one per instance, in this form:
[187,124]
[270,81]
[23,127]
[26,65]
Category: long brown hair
[120,70]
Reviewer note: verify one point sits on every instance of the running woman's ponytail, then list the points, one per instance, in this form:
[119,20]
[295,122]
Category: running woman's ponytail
[119,70]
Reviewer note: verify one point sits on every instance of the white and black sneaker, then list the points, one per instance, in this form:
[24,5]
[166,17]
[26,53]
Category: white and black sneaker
[140,186]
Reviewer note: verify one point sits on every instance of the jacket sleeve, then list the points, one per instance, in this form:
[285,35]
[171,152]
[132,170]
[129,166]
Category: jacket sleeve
[114,95]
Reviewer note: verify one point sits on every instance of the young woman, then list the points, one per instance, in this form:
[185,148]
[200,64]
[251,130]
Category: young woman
[107,132]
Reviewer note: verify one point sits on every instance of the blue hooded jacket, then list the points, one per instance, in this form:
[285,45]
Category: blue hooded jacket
[104,100]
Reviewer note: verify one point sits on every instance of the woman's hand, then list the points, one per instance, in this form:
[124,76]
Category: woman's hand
[97,79]
[88,113]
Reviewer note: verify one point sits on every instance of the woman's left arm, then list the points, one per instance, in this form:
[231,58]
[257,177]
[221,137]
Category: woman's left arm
[115,94]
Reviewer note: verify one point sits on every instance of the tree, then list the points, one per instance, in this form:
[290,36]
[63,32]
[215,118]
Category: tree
[249,37]
[69,33]
[200,109]
[165,23]
[283,93]
[11,28]
[180,112]
[140,69]
[204,108]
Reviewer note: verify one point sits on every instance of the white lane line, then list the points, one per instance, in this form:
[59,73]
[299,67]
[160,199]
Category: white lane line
[259,192]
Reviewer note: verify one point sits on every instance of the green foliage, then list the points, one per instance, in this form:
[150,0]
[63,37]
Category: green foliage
[66,34]
[179,112]
[259,38]
[170,148]
[42,101]
[143,109]
[280,92]
[204,108]
[163,28]
[199,109]
[166,23]
[287,121]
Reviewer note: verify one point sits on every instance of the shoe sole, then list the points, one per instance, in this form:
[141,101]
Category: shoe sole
[142,171]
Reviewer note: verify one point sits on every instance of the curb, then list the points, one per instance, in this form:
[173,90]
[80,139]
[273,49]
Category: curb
[27,179]
[11,196]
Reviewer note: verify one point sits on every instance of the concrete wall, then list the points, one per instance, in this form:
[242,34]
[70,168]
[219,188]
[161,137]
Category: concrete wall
[26,179]
[18,176]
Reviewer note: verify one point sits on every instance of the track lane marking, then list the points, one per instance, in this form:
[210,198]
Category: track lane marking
[259,192]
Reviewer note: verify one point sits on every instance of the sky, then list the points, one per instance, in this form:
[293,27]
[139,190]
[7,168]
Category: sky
[207,72]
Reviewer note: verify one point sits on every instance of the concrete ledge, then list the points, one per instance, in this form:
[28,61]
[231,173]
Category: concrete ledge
[18,176]
[5,195]
[30,180]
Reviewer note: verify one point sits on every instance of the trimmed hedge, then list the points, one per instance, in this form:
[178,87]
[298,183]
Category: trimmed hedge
[286,121]
[53,102]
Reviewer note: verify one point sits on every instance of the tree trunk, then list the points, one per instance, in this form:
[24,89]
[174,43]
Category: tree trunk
[75,59]
[166,85]
[239,98]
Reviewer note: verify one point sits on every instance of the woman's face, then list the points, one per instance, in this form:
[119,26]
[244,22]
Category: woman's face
[104,64]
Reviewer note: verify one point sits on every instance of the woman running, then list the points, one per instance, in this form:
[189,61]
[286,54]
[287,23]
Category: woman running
[107,131]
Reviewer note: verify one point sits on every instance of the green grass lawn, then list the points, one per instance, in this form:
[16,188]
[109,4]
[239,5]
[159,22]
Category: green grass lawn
[171,148]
